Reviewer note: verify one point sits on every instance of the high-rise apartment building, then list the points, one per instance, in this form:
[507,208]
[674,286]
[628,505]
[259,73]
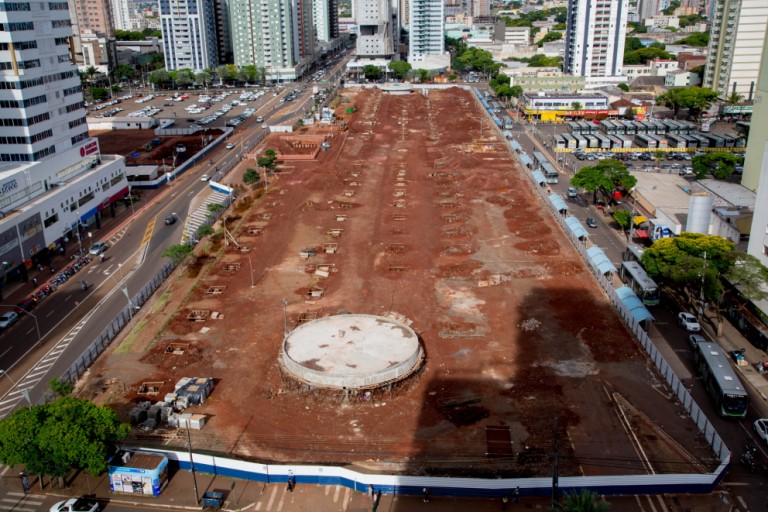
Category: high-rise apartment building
[736,36]
[53,178]
[375,30]
[594,40]
[93,34]
[426,46]
[189,34]
[223,32]
[277,35]
[326,17]
[477,8]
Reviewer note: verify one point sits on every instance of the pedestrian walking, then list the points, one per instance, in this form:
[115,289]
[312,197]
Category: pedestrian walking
[370,492]
[24,481]
[34,282]
[426,495]
[516,495]
[291,483]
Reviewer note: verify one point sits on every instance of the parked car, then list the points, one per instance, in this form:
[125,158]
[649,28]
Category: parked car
[591,222]
[695,339]
[761,429]
[98,248]
[76,505]
[688,322]
[8,318]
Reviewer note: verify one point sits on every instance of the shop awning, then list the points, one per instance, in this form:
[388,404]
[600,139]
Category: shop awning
[639,219]
[641,233]
[539,177]
[515,145]
[526,160]
[633,304]
[599,260]
[576,227]
[558,202]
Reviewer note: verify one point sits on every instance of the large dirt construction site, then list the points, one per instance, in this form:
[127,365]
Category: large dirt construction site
[418,212]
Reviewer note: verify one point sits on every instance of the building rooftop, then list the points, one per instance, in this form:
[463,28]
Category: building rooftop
[728,194]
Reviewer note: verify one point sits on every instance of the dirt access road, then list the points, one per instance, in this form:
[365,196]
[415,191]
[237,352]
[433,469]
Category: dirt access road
[437,222]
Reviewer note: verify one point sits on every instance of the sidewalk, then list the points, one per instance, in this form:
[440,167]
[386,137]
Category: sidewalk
[241,495]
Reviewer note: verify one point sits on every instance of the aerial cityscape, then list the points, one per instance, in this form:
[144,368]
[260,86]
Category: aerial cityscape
[314,254]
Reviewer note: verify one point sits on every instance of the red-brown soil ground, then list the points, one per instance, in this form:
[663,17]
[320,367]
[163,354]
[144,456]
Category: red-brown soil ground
[442,227]
[133,142]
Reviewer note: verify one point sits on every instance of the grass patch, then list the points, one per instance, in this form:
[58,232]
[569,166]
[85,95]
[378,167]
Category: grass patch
[161,302]
[129,340]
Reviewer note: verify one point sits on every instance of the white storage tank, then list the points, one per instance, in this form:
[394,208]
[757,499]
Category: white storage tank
[699,213]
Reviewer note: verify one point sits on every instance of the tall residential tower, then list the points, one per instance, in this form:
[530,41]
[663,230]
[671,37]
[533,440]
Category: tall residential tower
[736,37]
[426,47]
[594,40]
[189,34]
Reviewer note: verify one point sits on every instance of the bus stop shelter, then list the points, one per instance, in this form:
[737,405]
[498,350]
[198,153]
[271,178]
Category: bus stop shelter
[516,147]
[576,227]
[633,304]
[559,203]
[538,176]
[599,260]
[526,160]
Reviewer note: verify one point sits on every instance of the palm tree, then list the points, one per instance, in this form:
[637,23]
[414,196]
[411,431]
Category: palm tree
[734,98]
[585,501]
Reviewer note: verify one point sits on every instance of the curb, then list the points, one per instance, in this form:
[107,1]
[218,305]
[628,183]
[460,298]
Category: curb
[129,502]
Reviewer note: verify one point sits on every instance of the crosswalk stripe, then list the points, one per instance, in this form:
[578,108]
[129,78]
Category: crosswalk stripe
[272,498]
[345,503]
[16,500]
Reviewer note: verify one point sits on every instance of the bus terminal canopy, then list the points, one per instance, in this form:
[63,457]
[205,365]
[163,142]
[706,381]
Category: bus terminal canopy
[526,160]
[633,304]
[558,202]
[599,260]
[576,227]
[539,177]
[515,145]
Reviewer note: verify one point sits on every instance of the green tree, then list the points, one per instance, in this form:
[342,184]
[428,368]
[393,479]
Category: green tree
[695,39]
[204,77]
[56,437]
[250,176]
[371,72]
[694,99]
[576,105]
[673,6]
[203,231]
[98,93]
[178,253]
[550,36]
[604,177]
[643,55]
[516,91]
[632,43]
[123,72]
[624,87]
[160,77]
[215,207]
[227,73]
[61,387]
[734,98]
[689,19]
[658,155]
[399,68]
[720,163]
[585,501]
[623,218]
[542,61]
[689,261]
[183,77]
[270,153]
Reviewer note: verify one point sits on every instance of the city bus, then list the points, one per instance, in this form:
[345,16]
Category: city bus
[645,288]
[721,381]
[506,122]
[560,142]
[581,141]
[676,141]
[605,142]
[550,173]
[645,141]
[632,253]
[570,141]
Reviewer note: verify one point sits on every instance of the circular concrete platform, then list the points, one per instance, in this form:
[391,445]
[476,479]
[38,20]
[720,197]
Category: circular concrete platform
[351,351]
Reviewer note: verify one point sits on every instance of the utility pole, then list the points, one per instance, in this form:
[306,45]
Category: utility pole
[192,466]
[703,274]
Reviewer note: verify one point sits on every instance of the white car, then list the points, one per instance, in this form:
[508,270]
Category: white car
[230,146]
[8,318]
[688,322]
[76,505]
[205,177]
[761,429]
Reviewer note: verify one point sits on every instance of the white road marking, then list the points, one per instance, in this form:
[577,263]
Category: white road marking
[272,498]
[346,498]
[6,351]
[336,494]
[742,502]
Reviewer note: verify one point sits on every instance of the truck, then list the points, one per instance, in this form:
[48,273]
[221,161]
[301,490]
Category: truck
[76,505]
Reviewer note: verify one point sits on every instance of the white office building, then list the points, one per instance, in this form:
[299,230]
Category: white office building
[426,47]
[326,17]
[189,34]
[53,179]
[277,35]
[755,175]
[375,30]
[594,41]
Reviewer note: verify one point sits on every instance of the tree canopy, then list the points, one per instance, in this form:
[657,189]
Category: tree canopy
[371,72]
[604,177]
[399,68]
[53,438]
[477,59]
[720,163]
[585,501]
[550,36]
[693,99]
[695,39]
[542,61]
[643,55]
[178,253]
[688,260]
